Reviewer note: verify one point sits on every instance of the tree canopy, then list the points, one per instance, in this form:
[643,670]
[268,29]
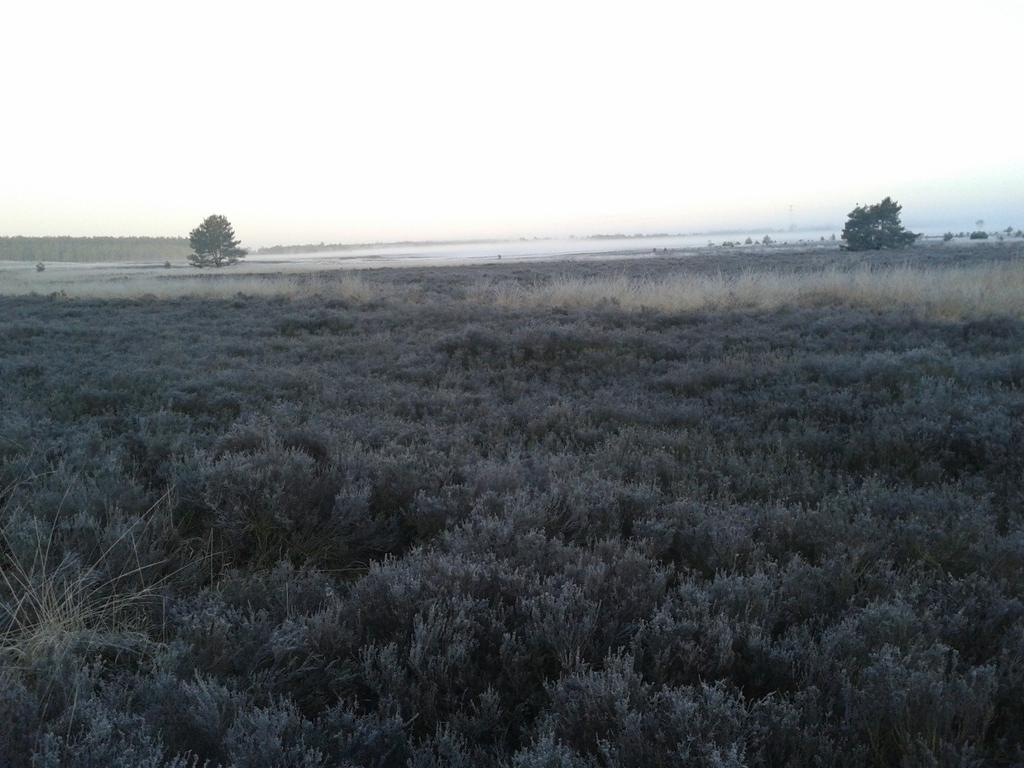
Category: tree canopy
[214,243]
[873,227]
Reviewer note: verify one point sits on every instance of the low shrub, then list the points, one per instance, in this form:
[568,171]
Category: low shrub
[517,516]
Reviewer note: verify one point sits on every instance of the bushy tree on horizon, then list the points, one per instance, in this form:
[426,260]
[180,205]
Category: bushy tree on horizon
[873,227]
[214,244]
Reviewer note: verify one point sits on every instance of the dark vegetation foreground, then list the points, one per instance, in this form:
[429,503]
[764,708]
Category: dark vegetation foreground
[423,531]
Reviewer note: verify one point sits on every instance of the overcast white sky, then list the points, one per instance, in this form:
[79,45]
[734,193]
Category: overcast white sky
[350,121]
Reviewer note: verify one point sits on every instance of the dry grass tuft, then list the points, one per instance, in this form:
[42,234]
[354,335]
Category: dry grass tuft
[934,292]
[52,608]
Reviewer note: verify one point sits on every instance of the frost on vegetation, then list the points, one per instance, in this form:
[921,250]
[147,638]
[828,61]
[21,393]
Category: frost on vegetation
[515,532]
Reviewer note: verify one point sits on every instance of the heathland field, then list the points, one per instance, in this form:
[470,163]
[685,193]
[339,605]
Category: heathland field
[712,508]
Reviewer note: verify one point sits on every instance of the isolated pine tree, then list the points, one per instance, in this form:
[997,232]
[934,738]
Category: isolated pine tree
[214,244]
[873,227]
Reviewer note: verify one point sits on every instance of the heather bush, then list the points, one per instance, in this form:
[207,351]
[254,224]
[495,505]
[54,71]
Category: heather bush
[427,530]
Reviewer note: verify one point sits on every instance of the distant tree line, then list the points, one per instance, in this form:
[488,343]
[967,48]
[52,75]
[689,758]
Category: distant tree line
[85,249]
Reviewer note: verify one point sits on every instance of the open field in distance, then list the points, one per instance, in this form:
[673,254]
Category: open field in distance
[937,280]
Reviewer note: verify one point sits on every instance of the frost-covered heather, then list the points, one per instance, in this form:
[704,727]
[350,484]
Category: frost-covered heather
[385,519]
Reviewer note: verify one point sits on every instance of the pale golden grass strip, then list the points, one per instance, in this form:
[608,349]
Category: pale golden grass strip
[935,292]
[354,288]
